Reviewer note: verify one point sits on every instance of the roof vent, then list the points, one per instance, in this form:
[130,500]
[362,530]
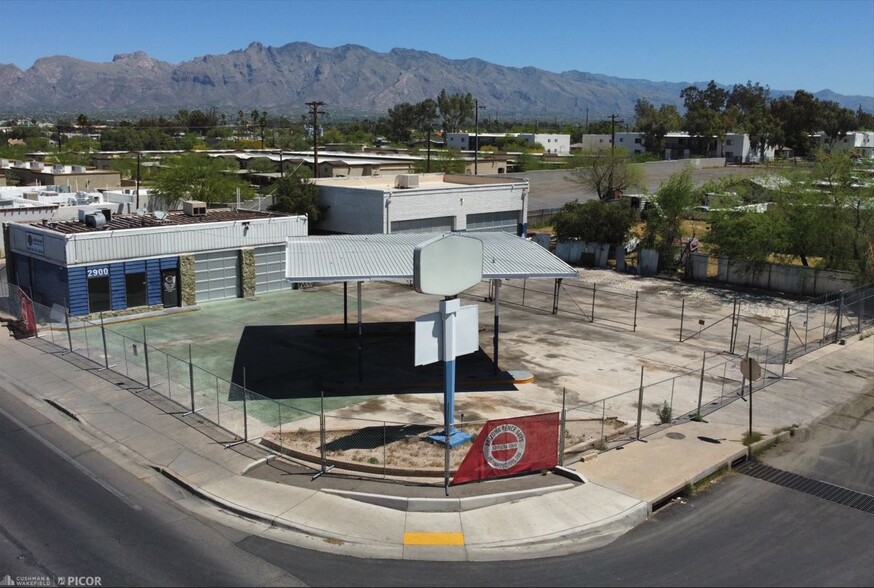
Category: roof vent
[95,220]
[407,181]
[194,208]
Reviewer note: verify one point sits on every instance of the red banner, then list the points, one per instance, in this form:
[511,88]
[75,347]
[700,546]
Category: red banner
[506,447]
[28,321]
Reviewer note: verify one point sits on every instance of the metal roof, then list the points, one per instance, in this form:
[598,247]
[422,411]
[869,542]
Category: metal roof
[354,258]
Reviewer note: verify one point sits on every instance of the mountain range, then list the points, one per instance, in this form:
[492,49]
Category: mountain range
[350,80]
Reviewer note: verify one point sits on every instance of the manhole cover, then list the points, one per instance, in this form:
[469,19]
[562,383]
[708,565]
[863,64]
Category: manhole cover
[675,436]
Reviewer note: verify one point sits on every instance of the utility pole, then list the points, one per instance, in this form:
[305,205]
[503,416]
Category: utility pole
[315,112]
[613,121]
[138,180]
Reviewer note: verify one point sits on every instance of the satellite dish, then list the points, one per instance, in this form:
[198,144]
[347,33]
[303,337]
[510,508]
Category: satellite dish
[141,211]
[160,214]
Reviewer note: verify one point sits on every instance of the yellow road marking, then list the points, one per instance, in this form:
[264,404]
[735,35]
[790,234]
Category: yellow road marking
[433,538]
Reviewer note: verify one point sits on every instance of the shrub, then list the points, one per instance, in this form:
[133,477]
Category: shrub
[665,413]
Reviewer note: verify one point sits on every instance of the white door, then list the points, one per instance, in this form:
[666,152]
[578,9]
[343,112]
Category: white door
[270,269]
[216,275]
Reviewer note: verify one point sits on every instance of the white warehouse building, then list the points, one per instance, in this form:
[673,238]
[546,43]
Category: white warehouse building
[424,203]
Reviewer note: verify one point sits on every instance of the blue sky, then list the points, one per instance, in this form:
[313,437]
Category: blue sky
[787,45]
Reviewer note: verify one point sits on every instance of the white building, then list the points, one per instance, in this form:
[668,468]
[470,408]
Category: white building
[423,203]
[554,144]
[736,147]
[859,142]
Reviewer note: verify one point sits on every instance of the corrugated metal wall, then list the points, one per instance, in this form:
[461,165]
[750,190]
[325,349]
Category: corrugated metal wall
[108,246]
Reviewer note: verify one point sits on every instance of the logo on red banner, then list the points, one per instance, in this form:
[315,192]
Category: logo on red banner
[508,447]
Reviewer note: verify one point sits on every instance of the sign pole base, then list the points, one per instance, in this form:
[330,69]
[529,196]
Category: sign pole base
[456,437]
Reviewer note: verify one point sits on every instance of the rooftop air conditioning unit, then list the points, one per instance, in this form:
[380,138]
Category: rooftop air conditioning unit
[95,220]
[407,181]
[194,208]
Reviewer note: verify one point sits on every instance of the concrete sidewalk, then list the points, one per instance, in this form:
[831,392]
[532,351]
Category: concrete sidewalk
[537,517]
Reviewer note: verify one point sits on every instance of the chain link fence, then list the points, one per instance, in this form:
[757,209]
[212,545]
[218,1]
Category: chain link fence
[771,335]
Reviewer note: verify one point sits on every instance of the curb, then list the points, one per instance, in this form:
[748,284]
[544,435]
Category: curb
[407,504]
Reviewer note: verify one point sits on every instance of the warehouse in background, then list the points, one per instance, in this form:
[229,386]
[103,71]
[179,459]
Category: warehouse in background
[423,203]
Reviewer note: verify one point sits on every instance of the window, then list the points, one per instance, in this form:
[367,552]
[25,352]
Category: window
[728,141]
[135,286]
[637,141]
[98,294]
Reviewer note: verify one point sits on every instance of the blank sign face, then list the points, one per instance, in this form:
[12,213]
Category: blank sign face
[447,265]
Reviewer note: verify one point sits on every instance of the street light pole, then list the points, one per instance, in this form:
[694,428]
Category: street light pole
[476,138]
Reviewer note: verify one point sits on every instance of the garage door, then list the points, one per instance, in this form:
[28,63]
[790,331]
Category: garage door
[441,224]
[270,269]
[506,222]
[216,275]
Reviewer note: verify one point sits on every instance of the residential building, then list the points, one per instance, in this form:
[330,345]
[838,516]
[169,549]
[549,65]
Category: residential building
[553,144]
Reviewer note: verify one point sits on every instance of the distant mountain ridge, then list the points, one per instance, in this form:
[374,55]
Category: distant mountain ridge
[348,79]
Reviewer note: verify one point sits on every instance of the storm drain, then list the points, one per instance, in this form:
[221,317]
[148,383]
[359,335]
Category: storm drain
[824,490]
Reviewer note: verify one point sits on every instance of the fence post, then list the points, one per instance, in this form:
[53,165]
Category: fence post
[733,336]
[700,383]
[682,317]
[603,420]
[146,352]
[191,377]
[245,409]
[384,456]
[861,311]
[218,409]
[806,321]
[88,346]
[785,345]
[594,287]
[322,435]
[103,335]
[840,317]
[634,324]
[524,287]
[640,403]
[69,334]
[563,426]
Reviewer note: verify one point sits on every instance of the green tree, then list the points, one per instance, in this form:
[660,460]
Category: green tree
[603,172]
[296,194]
[705,113]
[835,121]
[197,177]
[655,124]
[261,165]
[447,162]
[594,221]
[455,109]
[751,112]
[663,219]
[747,235]
[798,120]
